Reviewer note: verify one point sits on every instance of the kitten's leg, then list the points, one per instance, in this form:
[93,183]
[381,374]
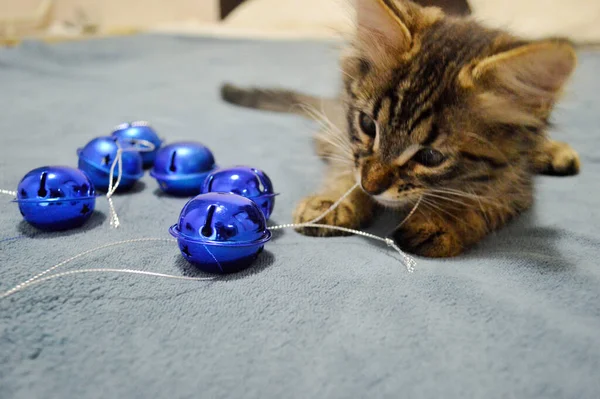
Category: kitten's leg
[429,234]
[556,159]
[444,230]
[355,211]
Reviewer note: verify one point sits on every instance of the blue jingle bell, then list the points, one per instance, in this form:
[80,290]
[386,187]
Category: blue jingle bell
[180,168]
[139,130]
[221,232]
[96,159]
[56,198]
[248,182]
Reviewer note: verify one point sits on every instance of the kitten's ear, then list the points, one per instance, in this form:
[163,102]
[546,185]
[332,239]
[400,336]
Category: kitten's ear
[533,74]
[383,26]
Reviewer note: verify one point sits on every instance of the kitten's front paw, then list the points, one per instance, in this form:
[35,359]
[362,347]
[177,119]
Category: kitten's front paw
[310,208]
[424,237]
[558,159]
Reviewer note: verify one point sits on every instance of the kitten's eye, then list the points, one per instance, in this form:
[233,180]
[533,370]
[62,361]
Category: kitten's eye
[429,157]
[367,125]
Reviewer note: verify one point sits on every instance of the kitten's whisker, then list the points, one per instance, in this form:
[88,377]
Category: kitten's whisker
[433,206]
[451,190]
[342,151]
[321,117]
[344,147]
[483,212]
[312,112]
[465,194]
[329,131]
[460,193]
[474,197]
[322,124]
[341,173]
[329,134]
[338,156]
[339,160]
[347,74]
[441,197]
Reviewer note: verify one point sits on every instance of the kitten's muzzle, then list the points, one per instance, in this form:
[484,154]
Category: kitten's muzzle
[375,178]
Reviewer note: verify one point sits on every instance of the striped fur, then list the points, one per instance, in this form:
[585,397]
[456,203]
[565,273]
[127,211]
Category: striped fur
[461,114]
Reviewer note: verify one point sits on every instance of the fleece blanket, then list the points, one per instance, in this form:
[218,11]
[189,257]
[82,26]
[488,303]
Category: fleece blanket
[516,317]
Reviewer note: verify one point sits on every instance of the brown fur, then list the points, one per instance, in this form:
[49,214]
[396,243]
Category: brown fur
[479,97]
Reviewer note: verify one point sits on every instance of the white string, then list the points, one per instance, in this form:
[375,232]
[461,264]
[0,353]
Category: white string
[101,270]
[408,261]
[127,125]
[311,223]
[28,282]
[139,123]
[113,216]
[412,211]
[118,162]
[138,145]
[335,204]
[8,192]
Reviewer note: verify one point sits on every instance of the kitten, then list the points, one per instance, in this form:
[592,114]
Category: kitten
[439,111]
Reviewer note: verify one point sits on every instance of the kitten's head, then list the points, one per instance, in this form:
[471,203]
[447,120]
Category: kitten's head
[437,102]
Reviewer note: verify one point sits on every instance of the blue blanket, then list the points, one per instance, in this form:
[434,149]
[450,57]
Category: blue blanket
[519,316]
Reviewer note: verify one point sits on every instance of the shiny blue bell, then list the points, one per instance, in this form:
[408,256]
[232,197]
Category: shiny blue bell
[96,158]
[180,168]
[139,130]
[248,182]
[56,198]
[221,232]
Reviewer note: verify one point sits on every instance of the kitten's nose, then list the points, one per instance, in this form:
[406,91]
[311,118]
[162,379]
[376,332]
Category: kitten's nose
[376,178]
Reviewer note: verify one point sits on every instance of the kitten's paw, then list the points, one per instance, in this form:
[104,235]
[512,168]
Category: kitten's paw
[428,238]
[558,159]
[310,208]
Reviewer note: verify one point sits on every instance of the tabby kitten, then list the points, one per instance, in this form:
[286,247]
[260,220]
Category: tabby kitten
[437,111]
